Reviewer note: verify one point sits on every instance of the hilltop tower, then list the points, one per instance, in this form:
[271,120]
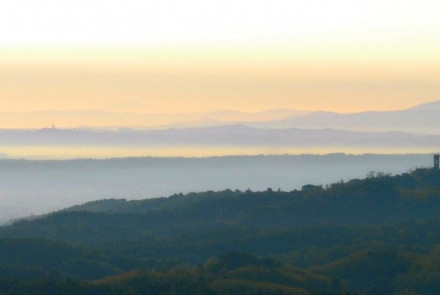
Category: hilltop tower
[436,162]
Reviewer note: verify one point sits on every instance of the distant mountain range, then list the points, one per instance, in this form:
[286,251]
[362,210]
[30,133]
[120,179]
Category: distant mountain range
[114,120]
[231,135]
[424,118]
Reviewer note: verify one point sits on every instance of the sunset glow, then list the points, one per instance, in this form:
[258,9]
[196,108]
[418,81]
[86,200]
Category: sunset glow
[197,56]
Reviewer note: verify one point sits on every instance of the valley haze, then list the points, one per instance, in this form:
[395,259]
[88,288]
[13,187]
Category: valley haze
[282,131]
[52,168]
[30,187]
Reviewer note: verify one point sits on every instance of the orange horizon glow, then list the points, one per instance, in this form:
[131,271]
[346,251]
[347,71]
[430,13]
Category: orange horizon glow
[200,85]
[199,56]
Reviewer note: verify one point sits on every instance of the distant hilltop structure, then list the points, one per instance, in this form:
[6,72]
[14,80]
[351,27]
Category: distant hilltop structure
[436,162]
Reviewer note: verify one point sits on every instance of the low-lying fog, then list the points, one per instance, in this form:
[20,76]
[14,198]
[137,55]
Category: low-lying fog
[37,187]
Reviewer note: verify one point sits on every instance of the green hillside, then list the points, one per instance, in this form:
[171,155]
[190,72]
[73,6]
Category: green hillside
[378,235]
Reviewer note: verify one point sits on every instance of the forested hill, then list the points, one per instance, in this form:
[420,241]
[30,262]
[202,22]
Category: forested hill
[375,200]
[419,182]
[377,235]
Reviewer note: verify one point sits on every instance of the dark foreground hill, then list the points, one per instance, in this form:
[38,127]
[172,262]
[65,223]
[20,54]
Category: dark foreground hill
[379,235]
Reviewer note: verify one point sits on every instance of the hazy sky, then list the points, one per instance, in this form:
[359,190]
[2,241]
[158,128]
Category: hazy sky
[191,56]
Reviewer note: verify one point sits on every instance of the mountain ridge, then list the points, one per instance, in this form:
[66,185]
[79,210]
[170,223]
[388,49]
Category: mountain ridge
[422,117]
[235,134]
[419,119]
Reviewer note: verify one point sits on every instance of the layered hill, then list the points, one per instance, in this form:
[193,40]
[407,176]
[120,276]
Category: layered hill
[228,135]
[418,119]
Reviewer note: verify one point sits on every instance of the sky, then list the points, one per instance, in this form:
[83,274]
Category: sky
[197,56]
